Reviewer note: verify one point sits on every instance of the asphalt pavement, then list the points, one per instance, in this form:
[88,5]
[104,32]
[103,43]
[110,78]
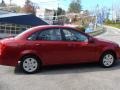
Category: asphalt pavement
[72,77]
[112,34]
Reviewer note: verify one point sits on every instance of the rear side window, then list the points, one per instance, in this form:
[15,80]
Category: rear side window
[47,35]
[33,36]
[50,35]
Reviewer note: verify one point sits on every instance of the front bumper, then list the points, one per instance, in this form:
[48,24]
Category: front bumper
[118,53]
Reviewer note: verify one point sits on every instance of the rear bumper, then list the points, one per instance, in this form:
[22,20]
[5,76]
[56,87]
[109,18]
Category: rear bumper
[7,62]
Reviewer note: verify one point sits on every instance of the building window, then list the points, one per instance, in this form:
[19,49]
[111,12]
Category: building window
[12,28]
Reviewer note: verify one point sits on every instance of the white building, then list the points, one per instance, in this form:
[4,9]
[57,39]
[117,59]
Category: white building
[115,13]
[4,12]
[45,14]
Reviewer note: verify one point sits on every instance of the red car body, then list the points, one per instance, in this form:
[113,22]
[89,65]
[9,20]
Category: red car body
[54,52]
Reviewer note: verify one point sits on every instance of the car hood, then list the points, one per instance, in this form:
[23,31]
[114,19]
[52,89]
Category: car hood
[106,41]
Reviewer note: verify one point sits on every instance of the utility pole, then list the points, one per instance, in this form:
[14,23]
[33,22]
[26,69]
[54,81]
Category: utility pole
[57,9]
[56,16]
[10,2]
[96,16]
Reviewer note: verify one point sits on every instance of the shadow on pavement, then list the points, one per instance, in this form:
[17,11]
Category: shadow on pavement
[70,69]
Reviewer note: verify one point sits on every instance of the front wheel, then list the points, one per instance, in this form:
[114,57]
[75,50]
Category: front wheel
[30,64]
[107,60]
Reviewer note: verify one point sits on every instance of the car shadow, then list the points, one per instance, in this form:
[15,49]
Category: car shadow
[70,69]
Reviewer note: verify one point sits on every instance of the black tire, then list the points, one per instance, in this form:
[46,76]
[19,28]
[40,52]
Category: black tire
[34,65]
[109,62]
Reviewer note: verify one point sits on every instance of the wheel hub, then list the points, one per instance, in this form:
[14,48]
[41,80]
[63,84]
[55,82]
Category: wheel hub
[108,60]
[30,64]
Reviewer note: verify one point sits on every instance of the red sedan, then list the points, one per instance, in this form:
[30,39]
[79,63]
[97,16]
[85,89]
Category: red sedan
[52,45]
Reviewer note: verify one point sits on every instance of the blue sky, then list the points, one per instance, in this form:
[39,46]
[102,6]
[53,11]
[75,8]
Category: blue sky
[91,4]
[53,4]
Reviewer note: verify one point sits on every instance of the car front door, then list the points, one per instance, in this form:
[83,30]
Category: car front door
[80,50]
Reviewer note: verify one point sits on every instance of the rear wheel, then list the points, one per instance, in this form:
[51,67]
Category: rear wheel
[107,60]
[30,64]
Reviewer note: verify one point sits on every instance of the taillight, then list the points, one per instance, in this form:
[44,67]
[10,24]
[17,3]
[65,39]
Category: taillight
[2,46]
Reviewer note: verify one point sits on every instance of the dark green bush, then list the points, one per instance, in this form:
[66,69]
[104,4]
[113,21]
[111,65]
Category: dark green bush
[108,21]
[81,28]
[111,22]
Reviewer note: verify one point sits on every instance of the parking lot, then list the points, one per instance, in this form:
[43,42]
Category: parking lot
[71,77]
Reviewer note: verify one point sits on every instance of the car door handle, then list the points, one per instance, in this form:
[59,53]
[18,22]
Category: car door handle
[40,44]
[37,44]
[71,45]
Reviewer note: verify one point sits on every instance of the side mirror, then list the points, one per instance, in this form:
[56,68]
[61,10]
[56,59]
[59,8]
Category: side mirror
[91,40]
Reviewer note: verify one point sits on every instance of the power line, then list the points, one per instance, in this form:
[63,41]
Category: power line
[49,1]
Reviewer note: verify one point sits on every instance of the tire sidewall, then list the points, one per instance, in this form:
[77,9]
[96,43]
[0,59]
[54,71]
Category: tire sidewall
[101,60]
[38,64]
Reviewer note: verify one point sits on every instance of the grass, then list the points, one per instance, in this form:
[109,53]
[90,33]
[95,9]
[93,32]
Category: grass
[115,25]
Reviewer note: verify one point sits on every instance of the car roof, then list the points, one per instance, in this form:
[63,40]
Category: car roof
[38,28]
[42,27]
[51,26]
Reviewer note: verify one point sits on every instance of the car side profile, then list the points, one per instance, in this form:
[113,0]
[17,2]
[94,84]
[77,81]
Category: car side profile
[52,45]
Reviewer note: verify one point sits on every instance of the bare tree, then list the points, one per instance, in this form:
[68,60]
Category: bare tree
[30,7]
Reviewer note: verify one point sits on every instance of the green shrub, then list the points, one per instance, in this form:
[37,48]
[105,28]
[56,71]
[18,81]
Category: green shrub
[81,28]
[108,21]
[111,22]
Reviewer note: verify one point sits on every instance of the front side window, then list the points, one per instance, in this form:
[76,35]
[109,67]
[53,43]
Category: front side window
[50,35]
[72,35]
